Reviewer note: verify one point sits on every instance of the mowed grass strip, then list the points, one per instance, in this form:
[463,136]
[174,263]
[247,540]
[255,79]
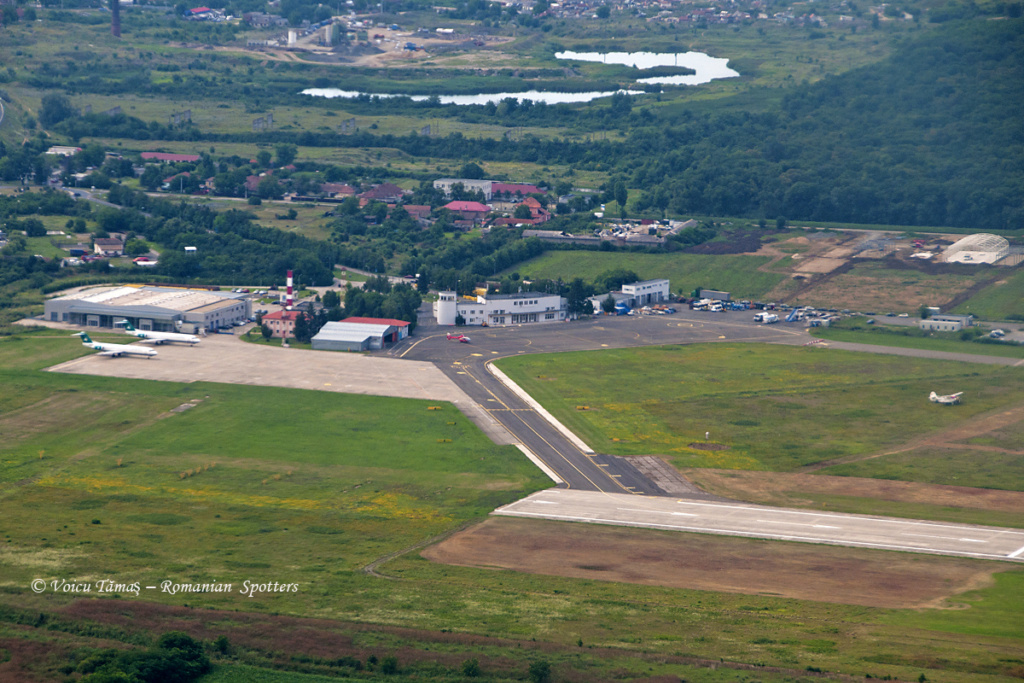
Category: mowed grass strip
[736,274]
[766,407]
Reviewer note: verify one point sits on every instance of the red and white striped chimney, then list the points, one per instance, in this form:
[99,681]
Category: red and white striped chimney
[289,299]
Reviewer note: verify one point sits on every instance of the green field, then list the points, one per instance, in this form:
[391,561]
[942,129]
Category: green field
[274,484]
[999,301]
[771,407]
[949,466]
[204,481]
[736,274]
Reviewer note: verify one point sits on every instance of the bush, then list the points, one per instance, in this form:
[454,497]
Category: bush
[540,671]
[389,665]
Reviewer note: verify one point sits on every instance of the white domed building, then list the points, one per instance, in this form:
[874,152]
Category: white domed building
[979,248]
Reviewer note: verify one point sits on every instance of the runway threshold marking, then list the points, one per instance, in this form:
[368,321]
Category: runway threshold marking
[525,424]
[551,446]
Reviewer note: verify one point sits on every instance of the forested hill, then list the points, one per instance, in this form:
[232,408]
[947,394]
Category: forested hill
[932,136]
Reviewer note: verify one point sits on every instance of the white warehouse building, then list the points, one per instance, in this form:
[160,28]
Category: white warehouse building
[636,294]
[501,309]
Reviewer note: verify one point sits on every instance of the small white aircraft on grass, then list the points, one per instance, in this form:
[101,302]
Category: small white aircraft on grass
[151,337]
[114,350]
[947,400]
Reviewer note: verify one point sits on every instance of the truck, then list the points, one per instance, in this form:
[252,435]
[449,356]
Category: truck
[766,318]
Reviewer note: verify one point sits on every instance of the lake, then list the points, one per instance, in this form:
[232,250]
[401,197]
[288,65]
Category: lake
[707,69]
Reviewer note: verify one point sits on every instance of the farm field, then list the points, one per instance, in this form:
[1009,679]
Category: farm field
[737,274]
[765,407]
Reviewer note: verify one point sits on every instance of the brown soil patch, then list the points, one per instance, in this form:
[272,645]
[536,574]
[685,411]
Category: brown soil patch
[708,446]
[713,563]
[891,285]
[820,265]
[785,489]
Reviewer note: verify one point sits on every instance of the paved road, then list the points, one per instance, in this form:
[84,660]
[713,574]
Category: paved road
[578,468]
[756,521]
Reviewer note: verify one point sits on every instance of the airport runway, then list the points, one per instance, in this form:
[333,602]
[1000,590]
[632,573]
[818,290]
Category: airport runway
[782,524]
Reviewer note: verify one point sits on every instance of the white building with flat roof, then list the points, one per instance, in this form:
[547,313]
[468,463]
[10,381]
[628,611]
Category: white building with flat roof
[636,294]
[446,185]
[647,292]
[501,309]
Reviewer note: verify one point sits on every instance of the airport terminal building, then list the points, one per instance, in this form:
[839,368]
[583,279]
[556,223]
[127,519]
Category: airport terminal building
[164,309]
[501,309]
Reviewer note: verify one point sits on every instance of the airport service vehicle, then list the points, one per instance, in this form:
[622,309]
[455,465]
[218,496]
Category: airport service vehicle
[151,337]
[114,350]
[947,400]
[715,308]
[766,318]
[461,338]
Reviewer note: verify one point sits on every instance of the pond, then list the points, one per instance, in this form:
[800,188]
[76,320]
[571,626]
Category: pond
[707,69]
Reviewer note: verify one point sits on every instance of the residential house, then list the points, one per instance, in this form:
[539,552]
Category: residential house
[108,246]
[470,211]
[385,192]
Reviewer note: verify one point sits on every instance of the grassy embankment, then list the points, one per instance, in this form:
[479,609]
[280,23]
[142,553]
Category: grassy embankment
[771,408]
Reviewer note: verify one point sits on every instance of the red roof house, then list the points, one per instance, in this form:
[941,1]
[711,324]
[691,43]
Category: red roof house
[281,323]
[385,192]
[512,189]
[472,211]
[418,211]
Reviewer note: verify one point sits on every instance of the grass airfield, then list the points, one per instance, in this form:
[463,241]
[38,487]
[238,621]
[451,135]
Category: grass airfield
[273,484]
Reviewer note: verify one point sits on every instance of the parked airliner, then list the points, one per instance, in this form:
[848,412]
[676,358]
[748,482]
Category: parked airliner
[114,350]
[151,337]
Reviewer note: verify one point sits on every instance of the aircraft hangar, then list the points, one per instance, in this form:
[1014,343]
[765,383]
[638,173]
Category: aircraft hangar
[150,308]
